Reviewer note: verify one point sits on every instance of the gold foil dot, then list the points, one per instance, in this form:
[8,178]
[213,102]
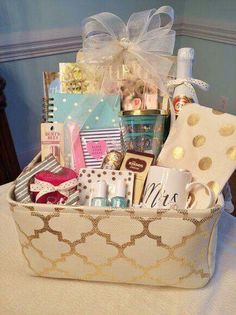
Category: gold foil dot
[216,112]
[85,187]
[104,173]
[178,153]
[214,186]
[88,175]
[84,171]
[193,119]
[205,163]
[231,153]
[198,141]
[98,175]
[89,180]
[79,184]
[87,197]
[226,130]
[129,193]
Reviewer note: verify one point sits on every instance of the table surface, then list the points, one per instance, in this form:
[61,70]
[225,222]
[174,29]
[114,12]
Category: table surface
[22,294]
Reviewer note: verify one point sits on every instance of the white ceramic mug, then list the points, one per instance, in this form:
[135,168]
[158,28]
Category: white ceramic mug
[169,188]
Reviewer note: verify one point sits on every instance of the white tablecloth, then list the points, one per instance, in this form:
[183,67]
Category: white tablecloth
[22,294]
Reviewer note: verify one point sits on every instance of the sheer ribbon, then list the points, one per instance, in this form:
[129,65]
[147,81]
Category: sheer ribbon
[189,82]
[44,188]
[147,38]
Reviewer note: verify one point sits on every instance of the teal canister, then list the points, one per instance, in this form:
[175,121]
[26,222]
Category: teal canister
[144,131]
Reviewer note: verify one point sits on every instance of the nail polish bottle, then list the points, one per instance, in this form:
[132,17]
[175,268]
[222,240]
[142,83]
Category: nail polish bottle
[120,201]
[100,194]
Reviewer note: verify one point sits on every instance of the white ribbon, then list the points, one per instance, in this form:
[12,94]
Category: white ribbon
[44,188]
[146,38]
[189,82]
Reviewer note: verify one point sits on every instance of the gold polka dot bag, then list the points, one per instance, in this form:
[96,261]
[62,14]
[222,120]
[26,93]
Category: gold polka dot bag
[203,141]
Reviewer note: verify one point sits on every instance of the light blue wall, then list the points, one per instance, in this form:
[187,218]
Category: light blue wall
[24,89]
[217,10]
[214,62]
[28,15]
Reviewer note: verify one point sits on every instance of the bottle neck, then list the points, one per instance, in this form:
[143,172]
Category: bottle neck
[184,68]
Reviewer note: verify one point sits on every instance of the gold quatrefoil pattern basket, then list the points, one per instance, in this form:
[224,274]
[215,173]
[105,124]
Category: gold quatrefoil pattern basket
[142,246]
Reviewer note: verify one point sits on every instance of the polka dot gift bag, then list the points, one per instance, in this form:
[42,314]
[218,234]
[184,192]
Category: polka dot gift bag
[203,141]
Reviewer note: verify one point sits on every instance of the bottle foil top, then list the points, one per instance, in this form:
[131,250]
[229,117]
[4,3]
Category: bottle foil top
[186,53]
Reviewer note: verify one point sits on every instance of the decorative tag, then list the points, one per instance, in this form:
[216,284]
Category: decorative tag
[72,78]
[97,149]
[52,141]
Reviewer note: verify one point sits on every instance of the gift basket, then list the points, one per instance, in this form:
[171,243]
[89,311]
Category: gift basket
[127,187]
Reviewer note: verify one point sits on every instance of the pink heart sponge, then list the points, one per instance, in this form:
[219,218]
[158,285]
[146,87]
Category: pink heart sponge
[55,179]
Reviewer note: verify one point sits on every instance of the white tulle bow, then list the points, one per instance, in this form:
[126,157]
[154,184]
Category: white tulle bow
[147,38]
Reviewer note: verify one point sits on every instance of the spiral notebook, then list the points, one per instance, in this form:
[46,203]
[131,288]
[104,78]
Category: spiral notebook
[101,111]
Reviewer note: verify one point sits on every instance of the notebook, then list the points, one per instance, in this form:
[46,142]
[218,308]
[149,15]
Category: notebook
[51,83]
[90,111]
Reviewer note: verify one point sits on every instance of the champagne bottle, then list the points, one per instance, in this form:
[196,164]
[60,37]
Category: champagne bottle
[184,94]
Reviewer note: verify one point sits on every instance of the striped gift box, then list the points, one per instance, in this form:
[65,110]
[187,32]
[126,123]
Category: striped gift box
[97,142]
